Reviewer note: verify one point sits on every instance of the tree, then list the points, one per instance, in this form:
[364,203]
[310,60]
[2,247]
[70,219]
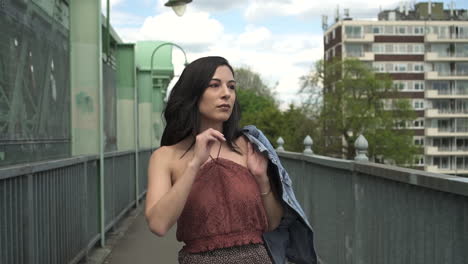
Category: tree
[358,101]
[260,108]
[249,80]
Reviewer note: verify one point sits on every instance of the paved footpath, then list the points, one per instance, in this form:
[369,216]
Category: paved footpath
[140,246]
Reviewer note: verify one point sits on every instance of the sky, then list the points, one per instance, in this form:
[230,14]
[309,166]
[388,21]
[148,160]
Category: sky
[279,39]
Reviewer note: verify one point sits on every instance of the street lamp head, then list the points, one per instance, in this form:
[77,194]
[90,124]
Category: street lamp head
[178,6]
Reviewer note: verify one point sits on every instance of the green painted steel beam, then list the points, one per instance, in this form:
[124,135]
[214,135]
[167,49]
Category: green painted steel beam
[125,71]
[87,84]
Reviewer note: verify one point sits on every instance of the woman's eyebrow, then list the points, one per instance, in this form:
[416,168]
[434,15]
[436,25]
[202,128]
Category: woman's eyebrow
[215,79]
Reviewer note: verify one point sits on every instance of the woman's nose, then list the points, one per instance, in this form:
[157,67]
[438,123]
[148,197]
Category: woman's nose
[226,92]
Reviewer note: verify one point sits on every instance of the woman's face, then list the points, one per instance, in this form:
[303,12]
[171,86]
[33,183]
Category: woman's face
[218,99]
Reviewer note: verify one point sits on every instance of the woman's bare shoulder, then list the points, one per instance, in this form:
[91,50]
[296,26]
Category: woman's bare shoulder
[241,142]
[170,153]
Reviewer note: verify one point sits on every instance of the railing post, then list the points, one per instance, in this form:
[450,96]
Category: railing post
[361,146]
[280,142]
[308,145]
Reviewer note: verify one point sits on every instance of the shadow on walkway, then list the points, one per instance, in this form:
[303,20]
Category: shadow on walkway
[140,246]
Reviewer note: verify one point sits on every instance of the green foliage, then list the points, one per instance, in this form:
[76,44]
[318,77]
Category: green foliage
[354,103]
[292,124]
[259,108]
[248,80]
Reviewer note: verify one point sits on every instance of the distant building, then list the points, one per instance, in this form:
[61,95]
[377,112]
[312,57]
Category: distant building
[424,48]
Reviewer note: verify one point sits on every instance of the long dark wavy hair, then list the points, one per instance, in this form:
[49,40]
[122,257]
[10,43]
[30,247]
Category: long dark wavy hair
[182,114]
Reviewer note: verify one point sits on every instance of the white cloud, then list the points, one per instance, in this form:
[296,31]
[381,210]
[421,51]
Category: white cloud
[217,5]
[254,37]
[195,30]
[279,59]
[122,19]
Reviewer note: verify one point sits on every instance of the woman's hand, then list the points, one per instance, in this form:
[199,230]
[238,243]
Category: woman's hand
[203,143]
[257,165]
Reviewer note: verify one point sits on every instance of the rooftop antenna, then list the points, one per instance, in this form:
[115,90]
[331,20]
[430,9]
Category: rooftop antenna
[337,18]
[429,9]
[346,12]
[324,22]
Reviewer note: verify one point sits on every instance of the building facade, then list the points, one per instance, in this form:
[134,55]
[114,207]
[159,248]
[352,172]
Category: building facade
[425,50]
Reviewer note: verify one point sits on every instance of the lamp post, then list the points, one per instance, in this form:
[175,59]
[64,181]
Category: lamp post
[163,91]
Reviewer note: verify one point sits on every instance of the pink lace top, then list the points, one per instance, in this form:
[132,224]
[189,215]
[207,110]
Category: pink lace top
[223,209]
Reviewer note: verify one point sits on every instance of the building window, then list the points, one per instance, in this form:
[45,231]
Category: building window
[401,86]
[389,48]
[418,48]
[353,31]
[419,86]
[377,30]
[418,104]
[379,67]
[419,160]
[419,67]
[419,30]
[419,141]
[333,33]
[326,38]
[378,48]
[418,123]
[400,67]
[402,49]
[401,30]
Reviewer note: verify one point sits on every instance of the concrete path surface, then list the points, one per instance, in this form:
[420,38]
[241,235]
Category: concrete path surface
[140,246]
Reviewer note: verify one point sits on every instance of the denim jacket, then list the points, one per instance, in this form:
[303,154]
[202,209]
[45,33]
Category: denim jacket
[293,239]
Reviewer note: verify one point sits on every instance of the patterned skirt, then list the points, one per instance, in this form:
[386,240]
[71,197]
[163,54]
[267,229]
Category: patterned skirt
[247,254]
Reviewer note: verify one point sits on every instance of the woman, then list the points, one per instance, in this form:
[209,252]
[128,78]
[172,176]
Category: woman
[208,177]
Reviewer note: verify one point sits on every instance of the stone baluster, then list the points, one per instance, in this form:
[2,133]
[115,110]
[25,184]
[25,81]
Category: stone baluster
[308,145]
[280,142]
[361,146]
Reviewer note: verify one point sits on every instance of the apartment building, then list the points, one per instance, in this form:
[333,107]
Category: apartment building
[424,48]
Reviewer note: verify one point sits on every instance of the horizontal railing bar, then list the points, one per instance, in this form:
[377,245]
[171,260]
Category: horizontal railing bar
[29,168]
[436,181]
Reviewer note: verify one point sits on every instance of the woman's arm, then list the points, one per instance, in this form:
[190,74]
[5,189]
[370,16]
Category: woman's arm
[164,203]
[258,166]
[272,204]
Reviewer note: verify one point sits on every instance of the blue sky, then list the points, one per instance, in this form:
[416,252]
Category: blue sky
[279,39]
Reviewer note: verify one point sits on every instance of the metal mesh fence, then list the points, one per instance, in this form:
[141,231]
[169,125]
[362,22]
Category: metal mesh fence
[110,107]
[34,83]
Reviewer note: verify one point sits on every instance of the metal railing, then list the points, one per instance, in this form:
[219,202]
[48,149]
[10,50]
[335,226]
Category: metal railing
[49,211]
[365,213]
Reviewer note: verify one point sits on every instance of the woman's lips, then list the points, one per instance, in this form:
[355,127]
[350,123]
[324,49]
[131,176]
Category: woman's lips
[224,107]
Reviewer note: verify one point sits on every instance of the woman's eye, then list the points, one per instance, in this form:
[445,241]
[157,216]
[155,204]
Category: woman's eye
[233,87]
[213,85]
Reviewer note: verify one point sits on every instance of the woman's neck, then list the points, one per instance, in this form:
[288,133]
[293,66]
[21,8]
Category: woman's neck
[214,125]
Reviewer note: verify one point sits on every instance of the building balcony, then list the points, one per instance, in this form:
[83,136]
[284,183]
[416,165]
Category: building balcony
[434,56]
[436,94]
[440,113]
[445,39]
[363,56]
[433,75]
[445,132]
[445,151]
[447,170]
[358,38]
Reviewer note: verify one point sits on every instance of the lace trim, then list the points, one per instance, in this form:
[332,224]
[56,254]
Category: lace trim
[222,241]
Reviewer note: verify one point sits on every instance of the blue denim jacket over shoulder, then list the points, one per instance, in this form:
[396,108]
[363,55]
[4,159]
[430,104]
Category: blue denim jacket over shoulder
[293,239]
